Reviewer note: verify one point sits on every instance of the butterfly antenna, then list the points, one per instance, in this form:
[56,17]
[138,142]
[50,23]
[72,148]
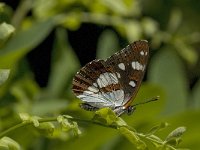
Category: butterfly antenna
[148,101]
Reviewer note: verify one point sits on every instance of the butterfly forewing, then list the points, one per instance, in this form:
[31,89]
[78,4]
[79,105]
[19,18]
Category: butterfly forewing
[115,81]
[130,63]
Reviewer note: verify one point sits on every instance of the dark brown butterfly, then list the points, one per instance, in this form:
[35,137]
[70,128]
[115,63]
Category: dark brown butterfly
[113,82]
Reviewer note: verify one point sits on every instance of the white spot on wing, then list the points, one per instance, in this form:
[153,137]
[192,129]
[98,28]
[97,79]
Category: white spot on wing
[101,81]
[113,78]
[118,75]
[106,79]
[132,83]
[142,53]
[121,66]
[93,89]
[95,84]
[137,66]
[133,65]
[146,53]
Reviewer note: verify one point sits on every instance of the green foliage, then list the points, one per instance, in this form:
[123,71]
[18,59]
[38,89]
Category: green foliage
[173,34]
[6,31]
[107,44]
[68,125]
[20,45]
[7,143]
[159,75]
[4,73]
[174,137]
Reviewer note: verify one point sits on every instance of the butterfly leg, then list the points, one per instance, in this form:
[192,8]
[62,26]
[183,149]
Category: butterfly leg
[88,107]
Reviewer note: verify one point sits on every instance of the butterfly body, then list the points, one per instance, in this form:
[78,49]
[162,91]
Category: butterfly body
[113,82]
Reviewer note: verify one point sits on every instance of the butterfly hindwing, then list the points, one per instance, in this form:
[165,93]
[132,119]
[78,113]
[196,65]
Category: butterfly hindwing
[97,85]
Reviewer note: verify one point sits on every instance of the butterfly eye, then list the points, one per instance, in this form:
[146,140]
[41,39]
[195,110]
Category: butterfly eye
[130,110]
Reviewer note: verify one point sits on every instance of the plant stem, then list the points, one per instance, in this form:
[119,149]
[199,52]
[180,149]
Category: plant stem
[22,10]
[2,134]
[25,123]
[22,124]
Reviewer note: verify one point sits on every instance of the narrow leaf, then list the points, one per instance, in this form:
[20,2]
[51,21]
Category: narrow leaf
[23,42]
[4,73]
[107,44]
[178,132]
[157,128]
[105,115]
[166,73]
[6,30]
[64,65]
[174,137]
[7,143]
[132,137]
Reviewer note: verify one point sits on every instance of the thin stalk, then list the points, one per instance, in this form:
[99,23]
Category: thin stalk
[22,124]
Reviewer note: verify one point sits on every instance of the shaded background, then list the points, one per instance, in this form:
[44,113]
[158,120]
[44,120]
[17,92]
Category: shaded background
[53,39]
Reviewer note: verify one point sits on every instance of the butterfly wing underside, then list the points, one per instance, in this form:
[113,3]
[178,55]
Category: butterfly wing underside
[93,83]
[130,63]
[115,81]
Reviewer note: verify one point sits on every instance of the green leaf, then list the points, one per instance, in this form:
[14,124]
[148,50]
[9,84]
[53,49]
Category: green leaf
[4,74]
[106,116]
[2,5]
[30,119]
[187,51]
[107,44]
[120,122]
[175,20]
[65,124]
[24,90]
[133,30]
[155,140]
[46,128]
[64,65]
[68,125]
[178,132]
[117,6]
[76,130]
[7,143]
[35,121]
[174,137]
[150,26]
[24,116]
[23,42]
[166,70]
[72,20]
[132,137]
[157,128]
[6,30]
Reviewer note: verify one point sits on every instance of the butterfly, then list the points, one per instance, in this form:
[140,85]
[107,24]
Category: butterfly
[113,82]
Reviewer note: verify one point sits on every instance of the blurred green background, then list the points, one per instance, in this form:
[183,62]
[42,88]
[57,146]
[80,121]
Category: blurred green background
[45,42]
